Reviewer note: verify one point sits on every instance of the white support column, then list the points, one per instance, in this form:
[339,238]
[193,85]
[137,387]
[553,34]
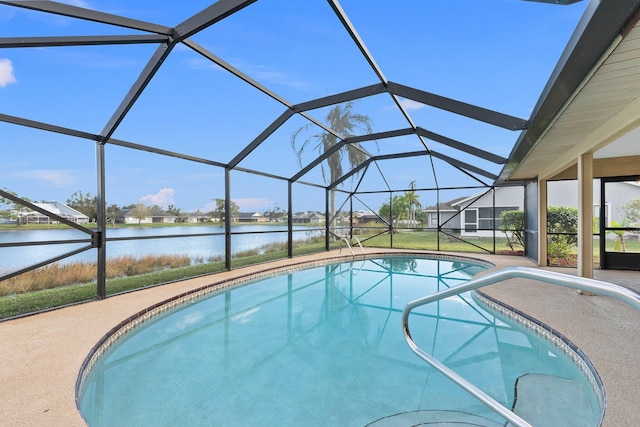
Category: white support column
[585,215]
[542,223]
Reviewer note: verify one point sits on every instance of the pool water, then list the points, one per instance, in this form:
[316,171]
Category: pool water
[321,346]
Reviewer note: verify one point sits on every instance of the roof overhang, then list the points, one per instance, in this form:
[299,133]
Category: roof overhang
[591,100]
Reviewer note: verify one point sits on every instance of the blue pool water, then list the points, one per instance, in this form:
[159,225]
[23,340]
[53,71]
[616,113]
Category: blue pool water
[318,347]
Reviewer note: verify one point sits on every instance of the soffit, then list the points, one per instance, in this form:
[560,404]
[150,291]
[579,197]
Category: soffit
[602,111]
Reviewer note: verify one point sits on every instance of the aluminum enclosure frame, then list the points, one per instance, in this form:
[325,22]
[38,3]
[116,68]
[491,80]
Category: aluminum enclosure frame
[167,38]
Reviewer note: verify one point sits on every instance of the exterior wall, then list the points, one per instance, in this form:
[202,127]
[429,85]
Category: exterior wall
[477,215]
[198,219]
[618,194]
[132,220]
[505,196]
[311,219]
[164,219]
[250,217]
[565,193]
[448,218]
[37,219]
[359,220]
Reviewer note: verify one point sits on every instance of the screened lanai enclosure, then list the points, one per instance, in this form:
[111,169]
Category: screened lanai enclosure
[152,141]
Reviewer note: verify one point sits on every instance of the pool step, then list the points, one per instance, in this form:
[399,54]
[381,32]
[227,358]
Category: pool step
[548,400]
[434,418]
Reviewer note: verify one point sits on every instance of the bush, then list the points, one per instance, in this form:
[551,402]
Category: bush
[562,229]
[563,220]
[512,225]
[557,248]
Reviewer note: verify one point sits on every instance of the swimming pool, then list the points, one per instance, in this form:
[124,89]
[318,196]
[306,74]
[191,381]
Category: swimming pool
[324,346]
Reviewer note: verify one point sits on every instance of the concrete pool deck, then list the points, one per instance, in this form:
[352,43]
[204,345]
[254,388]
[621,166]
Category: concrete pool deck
[41,355]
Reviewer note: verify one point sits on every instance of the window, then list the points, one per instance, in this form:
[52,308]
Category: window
[471,220]
[488,221]
[483,218]
[433,219]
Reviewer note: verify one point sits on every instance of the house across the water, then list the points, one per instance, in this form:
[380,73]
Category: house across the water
[55,207]
[250,217]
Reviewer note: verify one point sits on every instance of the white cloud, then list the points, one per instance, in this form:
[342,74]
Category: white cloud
[411,105]
[58,178]
[408,104]
[261,73]
[209,207]
[251,204]
[6,72]
[162,198]
[202,64]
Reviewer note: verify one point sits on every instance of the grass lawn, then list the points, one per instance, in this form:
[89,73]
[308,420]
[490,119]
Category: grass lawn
[428,240]
[34,301]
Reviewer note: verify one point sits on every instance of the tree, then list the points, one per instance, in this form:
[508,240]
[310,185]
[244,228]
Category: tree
[220,209]
[6,205]
[400,210]
[172,210]
[413,202]
[112,214]
[345,123]
[631,211]
[157,210]
[176,212]
[274,213]
[620,243]
[512,225]
[140,212]
[9,209]
[85,204]
[404,207]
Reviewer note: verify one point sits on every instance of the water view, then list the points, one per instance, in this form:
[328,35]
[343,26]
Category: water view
[199,248]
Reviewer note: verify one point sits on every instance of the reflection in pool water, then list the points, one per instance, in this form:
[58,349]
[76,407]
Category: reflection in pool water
[321,346]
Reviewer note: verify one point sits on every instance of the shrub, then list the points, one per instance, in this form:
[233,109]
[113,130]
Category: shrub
[57,275]
[562,229]
[558,248]
[512,225]
[562,226]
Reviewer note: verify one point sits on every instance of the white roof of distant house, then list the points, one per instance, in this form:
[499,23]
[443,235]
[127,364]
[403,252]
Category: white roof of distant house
[249,214]
[449,205]
[60,209]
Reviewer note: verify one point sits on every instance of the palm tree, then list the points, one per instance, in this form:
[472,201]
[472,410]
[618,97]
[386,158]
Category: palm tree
[413,202]
[345,123]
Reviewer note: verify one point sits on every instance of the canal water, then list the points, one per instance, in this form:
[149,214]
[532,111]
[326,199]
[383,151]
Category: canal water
[198,248]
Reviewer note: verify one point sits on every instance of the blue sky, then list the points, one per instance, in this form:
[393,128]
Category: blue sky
[496,54]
